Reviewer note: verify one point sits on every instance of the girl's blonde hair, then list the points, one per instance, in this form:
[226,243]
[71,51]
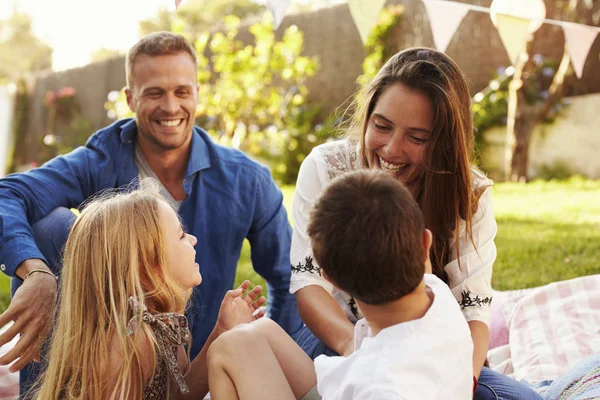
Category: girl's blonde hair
[116,249]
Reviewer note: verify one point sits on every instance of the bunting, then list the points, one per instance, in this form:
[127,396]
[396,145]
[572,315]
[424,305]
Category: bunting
[277,8]
[515,21]
[514,33]
[579,40]
[445,17]
[365,13]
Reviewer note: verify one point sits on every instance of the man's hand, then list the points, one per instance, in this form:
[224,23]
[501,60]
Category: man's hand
[237,309]
[32,310]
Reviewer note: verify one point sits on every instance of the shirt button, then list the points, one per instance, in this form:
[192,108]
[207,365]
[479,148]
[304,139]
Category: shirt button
[3,267]
[185,181]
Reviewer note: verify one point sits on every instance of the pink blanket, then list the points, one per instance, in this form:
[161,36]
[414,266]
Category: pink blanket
[536,334]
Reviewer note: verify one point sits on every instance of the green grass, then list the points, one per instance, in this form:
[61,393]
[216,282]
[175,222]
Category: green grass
[547,231]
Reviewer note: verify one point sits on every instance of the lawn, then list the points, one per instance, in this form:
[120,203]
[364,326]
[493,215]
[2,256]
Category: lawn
[547,231]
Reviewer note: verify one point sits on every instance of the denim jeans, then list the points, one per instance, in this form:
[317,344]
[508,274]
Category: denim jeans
[311,344]
[496,386]
[50,235]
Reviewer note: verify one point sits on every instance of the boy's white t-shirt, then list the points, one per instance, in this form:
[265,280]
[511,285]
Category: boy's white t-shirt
[427,358]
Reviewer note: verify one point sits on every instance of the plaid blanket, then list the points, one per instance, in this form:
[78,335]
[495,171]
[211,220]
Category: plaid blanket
[548,329]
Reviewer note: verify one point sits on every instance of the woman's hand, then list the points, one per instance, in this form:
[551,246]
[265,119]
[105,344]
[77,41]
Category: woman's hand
[237,308]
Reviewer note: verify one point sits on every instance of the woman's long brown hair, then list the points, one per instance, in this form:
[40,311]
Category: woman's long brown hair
[447,193]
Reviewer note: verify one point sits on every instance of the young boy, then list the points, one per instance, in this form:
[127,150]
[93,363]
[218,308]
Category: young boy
[368,236]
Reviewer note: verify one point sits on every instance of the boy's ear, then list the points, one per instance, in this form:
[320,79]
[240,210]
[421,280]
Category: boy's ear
[427,239]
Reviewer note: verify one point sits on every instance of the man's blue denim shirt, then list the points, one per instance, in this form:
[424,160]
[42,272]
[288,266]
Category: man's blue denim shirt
[229,198]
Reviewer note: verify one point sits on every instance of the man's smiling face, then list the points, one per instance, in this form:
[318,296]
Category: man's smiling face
[164,95]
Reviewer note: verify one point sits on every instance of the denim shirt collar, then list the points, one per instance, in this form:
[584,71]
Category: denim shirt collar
[199,153]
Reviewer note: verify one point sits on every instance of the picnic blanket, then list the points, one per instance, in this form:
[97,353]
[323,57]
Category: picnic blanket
[537,334]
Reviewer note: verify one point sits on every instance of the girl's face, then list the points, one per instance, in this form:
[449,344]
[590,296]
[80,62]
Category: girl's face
[398,132]
[181,256]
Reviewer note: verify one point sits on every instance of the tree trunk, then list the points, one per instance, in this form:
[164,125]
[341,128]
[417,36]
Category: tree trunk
[522,117]
[518,125]
[520,149]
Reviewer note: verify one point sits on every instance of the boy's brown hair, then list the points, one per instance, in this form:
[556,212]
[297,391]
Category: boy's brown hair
[366,232]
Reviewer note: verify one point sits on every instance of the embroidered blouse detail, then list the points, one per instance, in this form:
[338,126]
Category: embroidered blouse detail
[306,267]
[171,330]
[468,300]
[341,159]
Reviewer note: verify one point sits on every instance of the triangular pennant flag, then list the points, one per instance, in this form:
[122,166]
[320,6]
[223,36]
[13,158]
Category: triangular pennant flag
[579,42]
[444,17]
[177,3]
[277,8]
[365,13]
[514,33]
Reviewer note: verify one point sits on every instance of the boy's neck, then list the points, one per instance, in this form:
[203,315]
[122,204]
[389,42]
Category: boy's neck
[407,308]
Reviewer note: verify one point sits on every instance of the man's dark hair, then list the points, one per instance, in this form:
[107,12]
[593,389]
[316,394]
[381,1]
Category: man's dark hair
[366,232]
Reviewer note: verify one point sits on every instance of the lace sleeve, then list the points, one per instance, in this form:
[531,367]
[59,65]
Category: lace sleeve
[305,270]
[324,163]
[471,281]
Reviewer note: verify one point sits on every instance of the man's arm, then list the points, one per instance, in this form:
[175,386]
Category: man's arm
[25,199]
[28,197]
[270,238]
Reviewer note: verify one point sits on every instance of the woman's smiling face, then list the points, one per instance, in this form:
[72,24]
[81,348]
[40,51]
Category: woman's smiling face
[398,132]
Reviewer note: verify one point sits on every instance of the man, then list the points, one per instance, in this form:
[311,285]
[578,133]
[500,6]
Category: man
[222,198]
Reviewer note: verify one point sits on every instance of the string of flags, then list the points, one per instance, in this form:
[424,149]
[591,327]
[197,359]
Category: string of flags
[515,20]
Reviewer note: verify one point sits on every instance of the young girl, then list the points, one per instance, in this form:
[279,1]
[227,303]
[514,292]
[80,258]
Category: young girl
[129,267]
[414,122]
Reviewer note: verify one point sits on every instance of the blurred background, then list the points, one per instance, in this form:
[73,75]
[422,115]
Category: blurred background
[275,93]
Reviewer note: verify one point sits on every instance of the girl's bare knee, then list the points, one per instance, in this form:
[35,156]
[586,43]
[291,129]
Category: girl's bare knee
[232,343]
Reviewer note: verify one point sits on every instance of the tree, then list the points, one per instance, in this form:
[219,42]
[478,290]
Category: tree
[523,115]
[197,16]
[21,52]
[103,53]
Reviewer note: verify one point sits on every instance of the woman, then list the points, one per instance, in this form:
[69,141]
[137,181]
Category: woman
[414,122]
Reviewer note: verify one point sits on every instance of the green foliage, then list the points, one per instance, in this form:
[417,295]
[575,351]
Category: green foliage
[67,127]
[21,52]
[378,46]
[103,53]
[490,106]
[197,16]
[254,99]
[559,170]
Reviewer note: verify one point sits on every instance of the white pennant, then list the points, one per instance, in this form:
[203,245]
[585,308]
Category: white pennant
[277,8]
[579,42]
[514,33]
[444,17]
[365,13]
